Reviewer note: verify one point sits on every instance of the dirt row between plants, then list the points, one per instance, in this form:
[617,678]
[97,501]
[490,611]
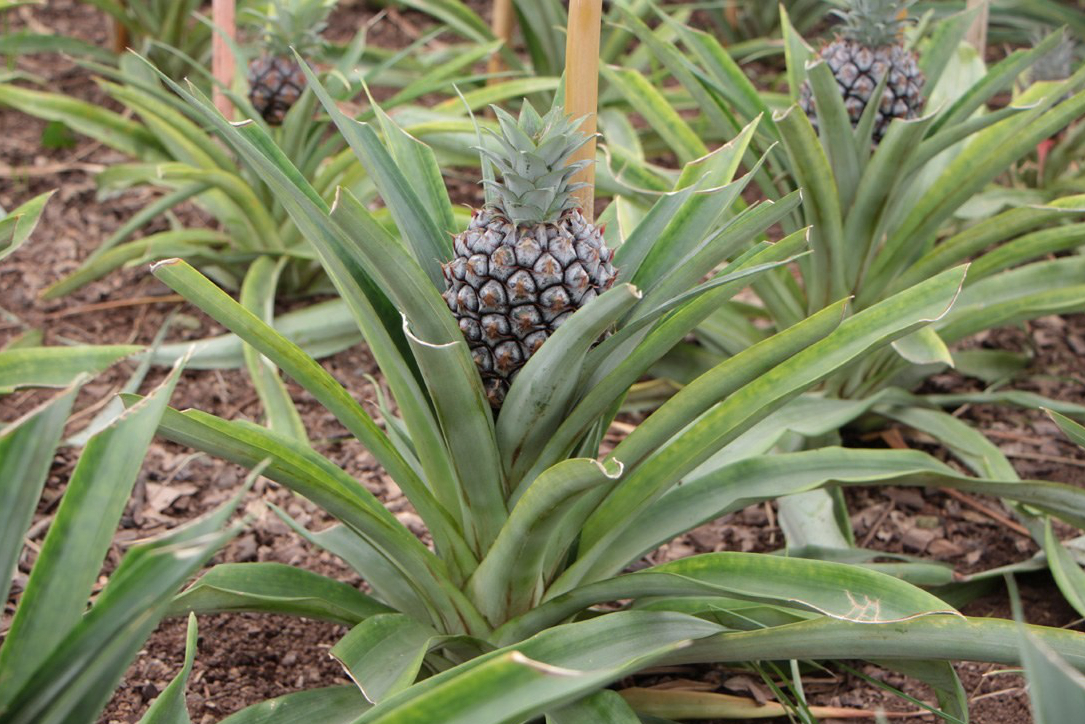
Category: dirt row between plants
[246,658]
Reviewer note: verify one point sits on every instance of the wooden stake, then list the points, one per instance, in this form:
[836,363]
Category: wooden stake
[582,87]
[504,22]
[222,58]
[977,33]
[731,13]
[121,40]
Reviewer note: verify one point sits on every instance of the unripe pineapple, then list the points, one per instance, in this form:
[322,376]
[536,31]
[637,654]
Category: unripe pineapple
[869,46]
[276,80]
[529,258]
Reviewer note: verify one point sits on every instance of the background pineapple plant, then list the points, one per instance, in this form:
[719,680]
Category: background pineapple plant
[276,81]
[869,46]
[529,258]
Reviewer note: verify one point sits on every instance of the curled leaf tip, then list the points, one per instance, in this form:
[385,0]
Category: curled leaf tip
[164,262]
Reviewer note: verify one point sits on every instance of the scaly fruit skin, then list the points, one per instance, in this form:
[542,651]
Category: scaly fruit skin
[868,47]
[529,259]
[275,84]
[276,80]
[858,70]
[510,287]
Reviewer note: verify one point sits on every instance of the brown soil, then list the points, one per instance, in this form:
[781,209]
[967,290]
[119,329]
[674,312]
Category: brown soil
[243,659]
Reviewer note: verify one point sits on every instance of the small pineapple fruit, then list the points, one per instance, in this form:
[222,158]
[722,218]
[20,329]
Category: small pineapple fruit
[276,81]
[529,258]
[868,47]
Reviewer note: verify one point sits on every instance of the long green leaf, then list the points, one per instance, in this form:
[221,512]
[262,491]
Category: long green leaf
[869,329]
[177,242]
[26,453]
[431,247]
[275,588]
[647,100]
[629,366]
[78,539]
[258,296]
[826,282]
[507,580]
[321,330]
[952,638]
[604,707]
[468,430]
[401,558]
[19,223]
[169,707]
[328,705]
[837,590]
[1065,570]
[310,375]
[56,366]
[539,397]
[418,162]
[100,124]
[76,680]
[835,130]
[542,673]
[385,653]
[1073,430]
[1056,690]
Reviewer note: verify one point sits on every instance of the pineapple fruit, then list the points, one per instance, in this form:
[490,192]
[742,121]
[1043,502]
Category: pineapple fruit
[276,81]
[529,258]
[868,47]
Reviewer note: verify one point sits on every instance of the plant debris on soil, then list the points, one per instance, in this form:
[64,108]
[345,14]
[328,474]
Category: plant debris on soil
[246,658]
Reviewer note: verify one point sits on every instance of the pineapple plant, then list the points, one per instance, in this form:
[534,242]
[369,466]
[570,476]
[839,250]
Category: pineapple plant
[535,519]
[867,48]
[276,81]
[529,258]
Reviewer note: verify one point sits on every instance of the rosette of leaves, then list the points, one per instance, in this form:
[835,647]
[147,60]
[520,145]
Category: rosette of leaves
[532,520]
[885,218]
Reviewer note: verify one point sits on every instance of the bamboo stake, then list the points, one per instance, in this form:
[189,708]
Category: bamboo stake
[121,39]
[222,58]
[582,87]
[977,33]
[732,14]
[504,21]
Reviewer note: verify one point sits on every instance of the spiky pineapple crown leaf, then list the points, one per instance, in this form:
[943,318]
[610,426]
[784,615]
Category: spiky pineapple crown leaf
[286,24]
[874,23]
[532,160]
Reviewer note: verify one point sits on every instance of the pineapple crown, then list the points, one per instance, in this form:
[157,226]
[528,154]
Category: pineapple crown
[532,159]
[285,24]
[874,23]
